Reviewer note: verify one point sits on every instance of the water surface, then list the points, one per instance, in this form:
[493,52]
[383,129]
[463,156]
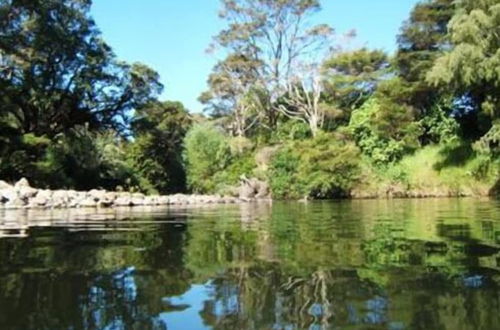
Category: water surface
[397,264]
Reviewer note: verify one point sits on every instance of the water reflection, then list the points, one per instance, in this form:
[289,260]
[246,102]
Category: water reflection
[424,264]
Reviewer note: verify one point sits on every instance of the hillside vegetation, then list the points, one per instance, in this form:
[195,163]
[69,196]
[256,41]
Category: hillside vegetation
[288,102]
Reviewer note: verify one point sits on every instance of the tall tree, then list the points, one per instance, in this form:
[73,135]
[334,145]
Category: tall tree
[156,153]
[232,92]
[303,99]
[275,34]
[471,68]
[56,72]
[351,77]
[422,39]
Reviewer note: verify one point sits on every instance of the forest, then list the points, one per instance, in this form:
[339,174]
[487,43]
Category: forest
[289,102]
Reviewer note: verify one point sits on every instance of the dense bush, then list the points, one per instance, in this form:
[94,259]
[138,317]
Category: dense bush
[156,152]
[77,159]
[326,166]
[206,152]
[367,126]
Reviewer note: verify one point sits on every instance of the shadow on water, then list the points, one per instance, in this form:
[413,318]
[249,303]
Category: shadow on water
[400,264]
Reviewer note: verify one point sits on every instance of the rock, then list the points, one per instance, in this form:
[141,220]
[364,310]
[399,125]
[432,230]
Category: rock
[96,195]
[138,195]
[5,185]
[123,200]
[16,203]
[39,201]
[246,191]
[22,183]
[8,194]
[151,200]
[229,200]
[137,201]
[253,188]
[263,191]
[110,195]
[163,200]
[177,199]
[88,202]
[26,192]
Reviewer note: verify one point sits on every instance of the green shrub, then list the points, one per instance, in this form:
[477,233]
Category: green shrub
[206,152]
[326,166]
[368,125]
[283,175]
[291,130]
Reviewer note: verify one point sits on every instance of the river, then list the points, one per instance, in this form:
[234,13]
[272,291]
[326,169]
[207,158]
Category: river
[373,264]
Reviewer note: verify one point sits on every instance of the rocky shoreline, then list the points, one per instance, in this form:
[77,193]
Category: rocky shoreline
[22,196]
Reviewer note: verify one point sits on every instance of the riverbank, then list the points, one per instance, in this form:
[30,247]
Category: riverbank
[22,196]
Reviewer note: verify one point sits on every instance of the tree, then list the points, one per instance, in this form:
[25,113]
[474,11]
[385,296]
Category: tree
[302,101]
[56,72]
[471,67]
[276,35]
[422,39]
[206,152]
[60,87]
[232,92]
[351,77]
[156,153]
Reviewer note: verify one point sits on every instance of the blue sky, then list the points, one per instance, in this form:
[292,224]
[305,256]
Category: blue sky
[171,36]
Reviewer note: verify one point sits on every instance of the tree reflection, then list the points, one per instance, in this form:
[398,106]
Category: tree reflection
[370,264]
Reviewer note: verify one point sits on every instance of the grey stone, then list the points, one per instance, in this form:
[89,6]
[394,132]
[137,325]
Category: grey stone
[5,185]
[16,203]
[96,195]
[137,201]
[22,183]
[8,194]
[123,200]
[88,202]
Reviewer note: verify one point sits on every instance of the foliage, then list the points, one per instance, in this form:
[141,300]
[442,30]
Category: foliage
[56,72]
[82,160]
[381,138]
[291,130]
[323,167]
[276,36]
[352,77]
[422,39]
[232,92]
[206,152]
[489,144]
[438,124]
[471,67]
[159,129]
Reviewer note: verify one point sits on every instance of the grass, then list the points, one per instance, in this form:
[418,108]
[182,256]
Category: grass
[453,170]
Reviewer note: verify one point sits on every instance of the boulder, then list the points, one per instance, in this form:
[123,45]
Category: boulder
[8,194]
[26,192]
[163,200]
[39,201]
[246,192]
[96,195]
[263,190]
[151,200]
[88,202]
[253,188]
[16,203]
[22,183]
[110,195]
[5,185]
[123,200]
[137,201]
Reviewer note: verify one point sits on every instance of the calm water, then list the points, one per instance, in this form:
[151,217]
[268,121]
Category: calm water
[407,264]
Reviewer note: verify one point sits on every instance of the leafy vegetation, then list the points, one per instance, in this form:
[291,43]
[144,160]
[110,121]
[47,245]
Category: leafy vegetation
[285,103]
